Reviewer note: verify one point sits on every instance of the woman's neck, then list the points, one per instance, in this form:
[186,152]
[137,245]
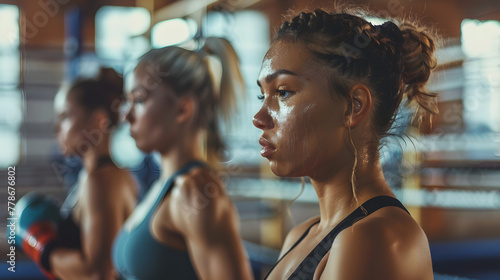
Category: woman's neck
[91,157]
[187,149]
[335,192]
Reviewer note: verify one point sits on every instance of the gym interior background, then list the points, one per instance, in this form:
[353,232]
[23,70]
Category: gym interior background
[448,175]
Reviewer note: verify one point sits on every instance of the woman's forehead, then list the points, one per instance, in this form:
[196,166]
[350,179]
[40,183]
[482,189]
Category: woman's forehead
[291,56]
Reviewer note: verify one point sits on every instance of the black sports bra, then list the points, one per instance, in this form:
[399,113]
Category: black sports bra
[68,230]
[307,267]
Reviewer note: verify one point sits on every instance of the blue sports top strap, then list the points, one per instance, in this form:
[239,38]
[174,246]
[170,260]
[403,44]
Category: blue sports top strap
[169,184]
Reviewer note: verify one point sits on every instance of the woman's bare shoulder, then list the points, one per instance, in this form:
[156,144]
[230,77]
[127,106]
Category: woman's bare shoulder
[111,175]
[201,193]
[199,203]
[388,244]
[391,226]
[199,184]
[110,184]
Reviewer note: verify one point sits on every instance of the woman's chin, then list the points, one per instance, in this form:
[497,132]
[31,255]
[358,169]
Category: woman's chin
[280,170]
[289,169]
[143,148]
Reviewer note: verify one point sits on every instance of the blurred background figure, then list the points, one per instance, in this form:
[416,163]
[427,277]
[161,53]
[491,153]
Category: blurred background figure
[87,113]
[186,223]
[446,173]
[105,194]
[78,246]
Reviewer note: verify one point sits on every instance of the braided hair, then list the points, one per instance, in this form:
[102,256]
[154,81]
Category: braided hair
[392,61]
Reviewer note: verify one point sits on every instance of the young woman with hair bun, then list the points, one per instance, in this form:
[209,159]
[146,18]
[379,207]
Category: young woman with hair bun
[75,242]
[331,86]
[186,227]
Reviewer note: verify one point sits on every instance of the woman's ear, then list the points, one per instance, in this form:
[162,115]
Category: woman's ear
[185,109]
[101,120]
[360,105]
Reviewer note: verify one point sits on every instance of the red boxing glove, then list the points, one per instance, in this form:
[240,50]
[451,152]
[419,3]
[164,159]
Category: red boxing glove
[38,242]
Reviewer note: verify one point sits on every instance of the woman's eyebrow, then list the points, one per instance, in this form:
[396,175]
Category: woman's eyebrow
[138,90]
[269,78]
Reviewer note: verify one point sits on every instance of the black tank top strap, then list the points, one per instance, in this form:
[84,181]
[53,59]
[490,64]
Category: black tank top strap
[104,160]
[378,202]
[69,233]
[293,246]
[308,266]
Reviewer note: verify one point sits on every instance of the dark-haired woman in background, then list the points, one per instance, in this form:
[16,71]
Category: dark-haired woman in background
[186,227]
[87,112]
[331,86]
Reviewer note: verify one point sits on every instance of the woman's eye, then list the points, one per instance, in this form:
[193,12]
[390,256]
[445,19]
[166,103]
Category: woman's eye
[63,116]
[284,93]
[138,100]
[138,96]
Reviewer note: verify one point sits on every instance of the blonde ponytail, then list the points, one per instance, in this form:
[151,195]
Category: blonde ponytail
[231,81]
[228,85]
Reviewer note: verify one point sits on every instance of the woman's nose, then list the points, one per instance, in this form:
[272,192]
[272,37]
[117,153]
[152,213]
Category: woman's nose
[262,120]
[129,115]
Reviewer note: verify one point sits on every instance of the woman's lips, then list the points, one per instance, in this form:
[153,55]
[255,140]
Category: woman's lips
[267,148]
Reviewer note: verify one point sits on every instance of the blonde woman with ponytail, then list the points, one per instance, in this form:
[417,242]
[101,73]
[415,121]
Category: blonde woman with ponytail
[331,85]
[186,227]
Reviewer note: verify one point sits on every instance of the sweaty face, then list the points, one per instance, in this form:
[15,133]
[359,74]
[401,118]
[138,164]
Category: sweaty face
[301,120]
[151,115]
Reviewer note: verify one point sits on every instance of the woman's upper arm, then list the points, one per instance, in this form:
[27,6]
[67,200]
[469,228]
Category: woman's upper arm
[210,226]
[101,222]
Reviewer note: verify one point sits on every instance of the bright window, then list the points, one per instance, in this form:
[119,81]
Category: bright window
[10,94]
[481,45]
[248,32]
[119,30]
[172,32]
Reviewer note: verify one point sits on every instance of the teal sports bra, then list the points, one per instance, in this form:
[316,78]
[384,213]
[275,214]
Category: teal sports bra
[138,256]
